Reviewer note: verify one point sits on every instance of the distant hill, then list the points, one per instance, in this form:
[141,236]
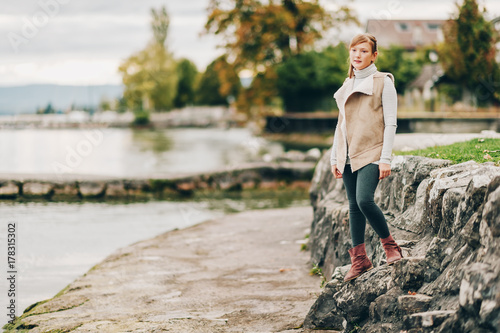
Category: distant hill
[27,99]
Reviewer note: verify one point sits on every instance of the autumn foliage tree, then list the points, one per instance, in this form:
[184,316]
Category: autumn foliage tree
[260,34]
[468,53]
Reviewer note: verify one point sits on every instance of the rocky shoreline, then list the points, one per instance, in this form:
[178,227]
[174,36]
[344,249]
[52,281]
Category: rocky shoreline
[447,220]
[67,187]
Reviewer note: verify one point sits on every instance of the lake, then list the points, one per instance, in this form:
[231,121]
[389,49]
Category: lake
[127,152]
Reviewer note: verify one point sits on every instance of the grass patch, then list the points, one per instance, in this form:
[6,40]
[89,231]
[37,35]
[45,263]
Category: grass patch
[479,150]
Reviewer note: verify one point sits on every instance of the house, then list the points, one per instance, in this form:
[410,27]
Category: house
[422,89]
[408,33]
[420,94]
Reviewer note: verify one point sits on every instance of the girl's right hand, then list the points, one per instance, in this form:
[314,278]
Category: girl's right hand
[336,172]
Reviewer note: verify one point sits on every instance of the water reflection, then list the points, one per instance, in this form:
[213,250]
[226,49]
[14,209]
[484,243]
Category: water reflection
[233,202]
[149,140]
[127,152]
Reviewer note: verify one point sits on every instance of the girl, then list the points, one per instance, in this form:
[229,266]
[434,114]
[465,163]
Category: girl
[362,147]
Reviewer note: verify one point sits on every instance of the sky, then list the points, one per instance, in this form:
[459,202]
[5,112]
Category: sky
[82,42]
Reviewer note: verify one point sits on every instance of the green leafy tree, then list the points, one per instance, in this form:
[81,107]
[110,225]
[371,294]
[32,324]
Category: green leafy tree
[208,91]
[261,34]
[160,24]
[306,82]
[187,74]
[47,110]
[468,52]
[150,75]
[121,105]
[105,104]
[403,65]
[218,82]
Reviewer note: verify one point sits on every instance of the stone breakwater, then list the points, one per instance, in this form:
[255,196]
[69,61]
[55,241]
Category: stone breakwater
[446,218]
[76,187]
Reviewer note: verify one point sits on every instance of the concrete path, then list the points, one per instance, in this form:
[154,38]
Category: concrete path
[242,273]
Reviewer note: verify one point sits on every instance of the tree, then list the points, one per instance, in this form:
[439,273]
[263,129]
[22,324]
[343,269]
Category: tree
[187,74]
[106,104]
[306,82]
[258,33]
[468,52]
[404,66]
[150,75]
[47,110]
[160,24]
[261,34]
[211,90]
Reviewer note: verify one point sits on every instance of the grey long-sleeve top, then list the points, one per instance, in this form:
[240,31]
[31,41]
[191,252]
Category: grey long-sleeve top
[390,106]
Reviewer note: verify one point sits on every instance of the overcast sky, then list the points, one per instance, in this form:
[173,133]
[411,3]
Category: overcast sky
[84,41]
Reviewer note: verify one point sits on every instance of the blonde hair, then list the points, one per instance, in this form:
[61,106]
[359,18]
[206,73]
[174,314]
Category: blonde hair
[358,39]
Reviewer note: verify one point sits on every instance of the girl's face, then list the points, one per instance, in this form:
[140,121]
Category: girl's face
[361,55]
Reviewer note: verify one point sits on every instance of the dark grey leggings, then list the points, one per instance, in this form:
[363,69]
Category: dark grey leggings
[360,187]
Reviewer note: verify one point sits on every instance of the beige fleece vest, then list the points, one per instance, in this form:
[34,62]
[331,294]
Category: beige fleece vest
[363,130]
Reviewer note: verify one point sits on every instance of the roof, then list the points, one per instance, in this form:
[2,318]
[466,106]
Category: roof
[429,72]
[407,33]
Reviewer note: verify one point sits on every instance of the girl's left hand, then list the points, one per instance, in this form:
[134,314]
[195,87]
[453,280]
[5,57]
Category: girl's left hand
[384,170]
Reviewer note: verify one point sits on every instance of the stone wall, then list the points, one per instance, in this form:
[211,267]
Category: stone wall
[76,187]
[446,218]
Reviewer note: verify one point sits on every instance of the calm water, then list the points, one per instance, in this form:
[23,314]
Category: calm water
[58,242]
[126,152]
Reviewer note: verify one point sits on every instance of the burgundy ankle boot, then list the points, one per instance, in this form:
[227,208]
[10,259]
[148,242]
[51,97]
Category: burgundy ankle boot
[360,262]
[392,250]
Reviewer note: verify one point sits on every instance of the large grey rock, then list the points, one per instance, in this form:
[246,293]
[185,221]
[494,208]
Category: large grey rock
[408,273]
[384,308]
[469,178]
[425,320]
[91,189]
[412,219]
[398,192]
[65,190]
[37,189]
[323,183]
[489,228]
[380,328]
[116,188]
[451,200]
[136,187]
[313,155]
[433,263]
[8,189]
[447,220]
[410,304]
[339,308]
